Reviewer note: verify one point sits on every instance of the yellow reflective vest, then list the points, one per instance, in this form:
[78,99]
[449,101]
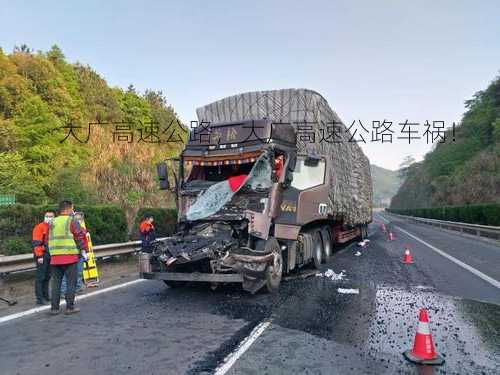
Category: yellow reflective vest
[61,240]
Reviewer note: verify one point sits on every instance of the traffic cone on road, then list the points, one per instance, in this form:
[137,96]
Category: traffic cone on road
[423,351]
[390,237]
[407,258]
[382,226]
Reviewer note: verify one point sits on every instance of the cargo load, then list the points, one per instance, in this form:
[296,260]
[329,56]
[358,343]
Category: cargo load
[307,111]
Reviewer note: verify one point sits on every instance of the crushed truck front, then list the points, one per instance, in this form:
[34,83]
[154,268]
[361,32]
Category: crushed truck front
[228,188]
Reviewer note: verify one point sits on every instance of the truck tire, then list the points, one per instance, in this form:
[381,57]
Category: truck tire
[305,248]
[274,271]
[317,253]
[327,244]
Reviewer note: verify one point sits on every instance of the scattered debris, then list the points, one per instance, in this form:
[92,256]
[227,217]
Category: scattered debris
[330,274]
[357,253]
[348,291]
[364,243]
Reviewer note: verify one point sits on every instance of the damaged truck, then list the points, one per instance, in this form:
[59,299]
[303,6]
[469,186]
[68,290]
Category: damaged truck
[269,182]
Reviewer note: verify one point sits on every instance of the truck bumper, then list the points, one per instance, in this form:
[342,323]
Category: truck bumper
[248,270]
[193,276]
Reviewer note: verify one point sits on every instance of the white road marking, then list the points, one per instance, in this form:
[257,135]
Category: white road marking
[35,310]
[231,359]
[476,272]
[383,218]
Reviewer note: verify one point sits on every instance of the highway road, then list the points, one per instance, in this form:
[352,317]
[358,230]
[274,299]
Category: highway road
[308,328]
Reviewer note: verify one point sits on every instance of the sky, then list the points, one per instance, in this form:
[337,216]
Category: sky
[372,60]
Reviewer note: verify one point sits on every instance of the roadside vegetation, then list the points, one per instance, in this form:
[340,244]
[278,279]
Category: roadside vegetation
[463,171]
[41,96]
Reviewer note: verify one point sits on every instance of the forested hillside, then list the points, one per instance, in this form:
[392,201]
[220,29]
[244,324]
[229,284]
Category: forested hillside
[466,168]
[42,96]
[385,185]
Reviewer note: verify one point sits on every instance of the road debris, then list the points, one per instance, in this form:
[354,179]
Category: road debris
[330,274]
[347,291]
[357,253]
[364,243]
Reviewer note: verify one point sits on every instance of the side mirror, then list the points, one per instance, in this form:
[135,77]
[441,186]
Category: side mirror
[162,171]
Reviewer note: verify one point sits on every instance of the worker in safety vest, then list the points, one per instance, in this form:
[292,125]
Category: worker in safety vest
[42,258]
[66,245]
[147,231]
[78,216]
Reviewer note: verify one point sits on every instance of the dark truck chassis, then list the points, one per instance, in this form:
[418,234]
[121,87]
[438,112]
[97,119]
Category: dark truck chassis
[224,256]
[213,252]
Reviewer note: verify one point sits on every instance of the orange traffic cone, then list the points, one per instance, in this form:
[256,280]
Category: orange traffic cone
[407,259]
[423,351]
[382,226]
[391,236]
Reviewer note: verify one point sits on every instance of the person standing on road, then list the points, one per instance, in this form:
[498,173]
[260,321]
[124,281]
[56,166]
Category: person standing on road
[79,266]
[66,244]
[42,258]
[147,231]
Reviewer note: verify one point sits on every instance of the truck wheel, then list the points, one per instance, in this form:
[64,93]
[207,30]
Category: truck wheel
[273,274]
[327,244]
[317,249]
[305,248]
[274,271]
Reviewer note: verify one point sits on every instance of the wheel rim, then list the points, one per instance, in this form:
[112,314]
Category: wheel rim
[328,248]
[274,273]
[276,269]
[319,252]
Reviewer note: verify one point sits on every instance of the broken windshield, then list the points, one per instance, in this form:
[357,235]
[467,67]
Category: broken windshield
[216,196]
[217,173]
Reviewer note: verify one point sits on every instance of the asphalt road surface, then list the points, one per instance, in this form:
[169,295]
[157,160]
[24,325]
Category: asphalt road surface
[308,328]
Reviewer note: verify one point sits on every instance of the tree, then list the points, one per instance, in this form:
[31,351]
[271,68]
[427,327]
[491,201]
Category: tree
[404,166]
[55,54]
[23,49]
[131,89]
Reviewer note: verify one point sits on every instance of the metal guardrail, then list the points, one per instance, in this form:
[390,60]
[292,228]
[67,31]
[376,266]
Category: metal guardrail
[474,229]
[25,262]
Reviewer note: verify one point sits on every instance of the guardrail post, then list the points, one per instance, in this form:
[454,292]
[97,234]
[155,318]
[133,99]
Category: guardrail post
[2,281]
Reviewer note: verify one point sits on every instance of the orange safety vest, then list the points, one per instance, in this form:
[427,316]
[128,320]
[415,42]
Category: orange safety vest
[40,238]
